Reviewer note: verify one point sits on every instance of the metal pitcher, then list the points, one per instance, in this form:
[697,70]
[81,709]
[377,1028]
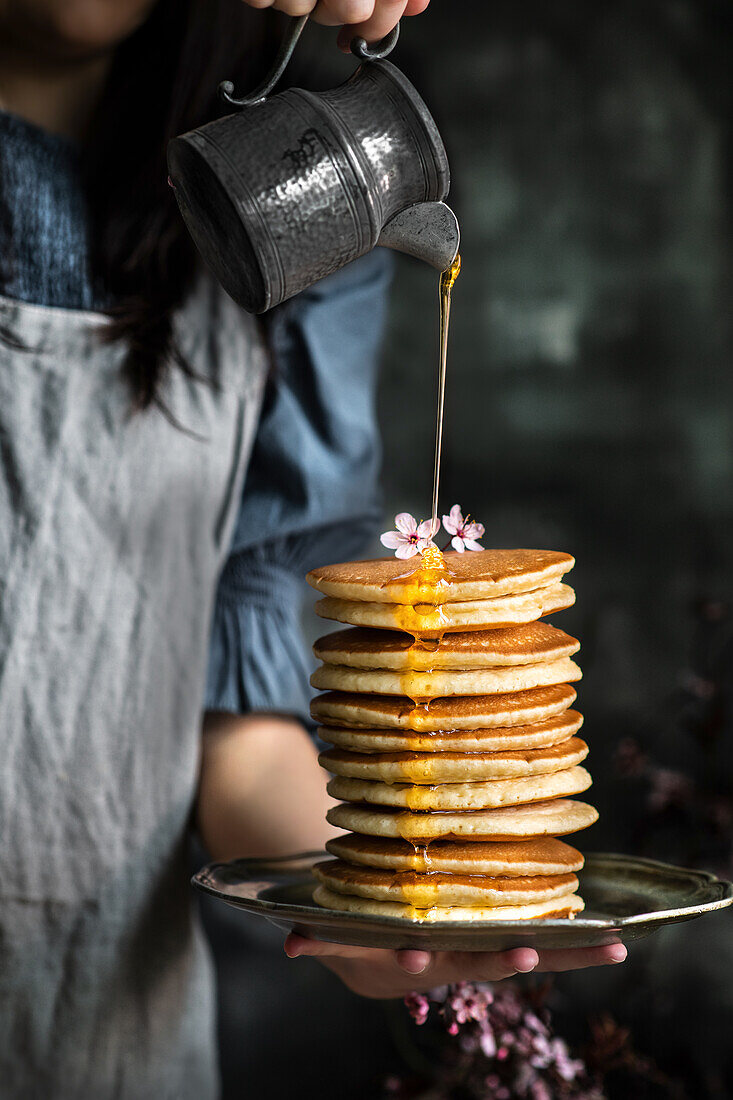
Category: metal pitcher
[293,186]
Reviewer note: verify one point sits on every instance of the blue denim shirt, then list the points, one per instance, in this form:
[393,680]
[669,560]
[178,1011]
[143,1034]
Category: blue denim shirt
[310,495]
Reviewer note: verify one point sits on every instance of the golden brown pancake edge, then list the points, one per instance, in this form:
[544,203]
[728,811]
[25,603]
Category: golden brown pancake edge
[482,574]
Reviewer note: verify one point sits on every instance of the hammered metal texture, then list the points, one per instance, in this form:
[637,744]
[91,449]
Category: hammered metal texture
[283,193]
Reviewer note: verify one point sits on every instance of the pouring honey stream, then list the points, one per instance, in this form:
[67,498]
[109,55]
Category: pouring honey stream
[447,282]
[425,591]
[425,585]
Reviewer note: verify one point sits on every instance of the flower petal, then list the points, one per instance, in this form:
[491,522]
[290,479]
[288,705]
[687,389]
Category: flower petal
[428,528]
[474,530]
[405,523]
[391,539]
[449,525]
[456,515]
[457,544]
[407,550]
[487,1041]
[471,544]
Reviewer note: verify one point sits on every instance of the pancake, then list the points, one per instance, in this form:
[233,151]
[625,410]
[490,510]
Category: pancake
[501,739]
[431,620]
[442,683]
[479,575]
[361,647]
[546,856]
[466,712]
[557,817]
[438,888]
[565,906]
[453,767]
[453,748]
[491,794]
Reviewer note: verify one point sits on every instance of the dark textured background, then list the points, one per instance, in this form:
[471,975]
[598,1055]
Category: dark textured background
[588,409]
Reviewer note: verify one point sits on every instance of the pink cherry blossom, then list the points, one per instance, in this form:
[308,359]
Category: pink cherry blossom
[464,533]
[418,1006]
[411,537]
[504,1047]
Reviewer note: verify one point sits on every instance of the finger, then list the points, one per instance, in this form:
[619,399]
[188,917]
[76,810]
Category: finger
[494,966]
[416,7]
[478,966]
[294,7]
[386,16]
[335,13]
[296,945]
[414,962]
[581,957]
[259,3]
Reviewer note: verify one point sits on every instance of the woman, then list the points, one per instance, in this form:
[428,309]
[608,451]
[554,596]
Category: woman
[130,394]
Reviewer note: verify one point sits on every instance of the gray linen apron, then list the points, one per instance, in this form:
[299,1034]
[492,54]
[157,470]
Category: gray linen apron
[113,529]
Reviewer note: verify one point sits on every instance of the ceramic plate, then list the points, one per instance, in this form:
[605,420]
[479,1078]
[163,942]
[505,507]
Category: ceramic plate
[625,899]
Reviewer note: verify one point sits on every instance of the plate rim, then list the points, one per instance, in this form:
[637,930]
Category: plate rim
[260,869]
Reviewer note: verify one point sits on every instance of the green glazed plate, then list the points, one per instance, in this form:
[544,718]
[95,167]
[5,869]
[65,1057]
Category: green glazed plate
[625,898]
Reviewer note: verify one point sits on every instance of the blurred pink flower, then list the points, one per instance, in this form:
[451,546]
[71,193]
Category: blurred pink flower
[469,1002]
[487,1039]
[699,686]
[669,789]
[630,761]
[506,1032]
[464,533]
[410,538]
[418,1005]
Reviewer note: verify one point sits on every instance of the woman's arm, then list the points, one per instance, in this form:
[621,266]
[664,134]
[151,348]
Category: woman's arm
[310,497]
[262,792]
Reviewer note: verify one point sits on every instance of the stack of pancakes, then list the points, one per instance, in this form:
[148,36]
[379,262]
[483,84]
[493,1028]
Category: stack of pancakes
[454,748]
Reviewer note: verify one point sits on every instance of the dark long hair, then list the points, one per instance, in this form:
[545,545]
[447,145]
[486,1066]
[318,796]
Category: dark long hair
[163,82]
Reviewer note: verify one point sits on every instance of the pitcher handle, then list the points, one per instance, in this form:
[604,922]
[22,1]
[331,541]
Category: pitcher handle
[359,47]
[287,46]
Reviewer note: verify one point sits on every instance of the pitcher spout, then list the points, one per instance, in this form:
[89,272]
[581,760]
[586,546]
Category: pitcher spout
[428,230]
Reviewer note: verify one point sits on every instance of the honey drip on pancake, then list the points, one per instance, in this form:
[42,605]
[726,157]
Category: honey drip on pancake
[425,591]
[431,577]
[417,796]
[423,862]
[419,891]
[404,823]
[412,883]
